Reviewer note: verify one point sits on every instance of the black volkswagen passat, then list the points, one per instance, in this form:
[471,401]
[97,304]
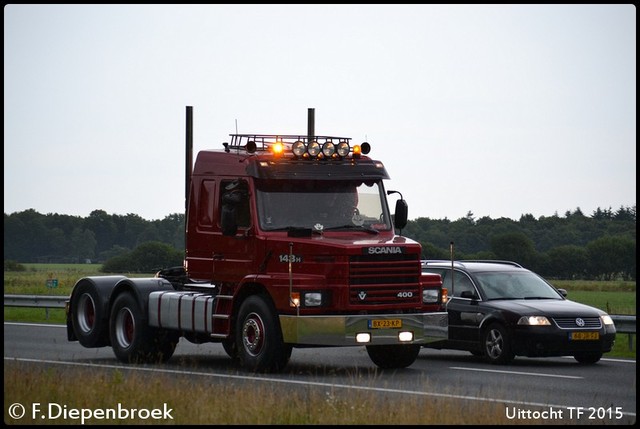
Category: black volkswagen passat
[500,310]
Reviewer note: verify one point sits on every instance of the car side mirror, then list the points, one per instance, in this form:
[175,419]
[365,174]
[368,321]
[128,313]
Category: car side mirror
[468,294]
[563,292]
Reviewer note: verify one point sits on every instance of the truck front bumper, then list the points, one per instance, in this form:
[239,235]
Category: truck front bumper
[343,330]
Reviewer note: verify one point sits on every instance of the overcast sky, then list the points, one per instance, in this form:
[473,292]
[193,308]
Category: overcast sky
[495,110]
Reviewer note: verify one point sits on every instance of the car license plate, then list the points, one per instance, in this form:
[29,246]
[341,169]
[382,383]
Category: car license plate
[584,336]
[385,323]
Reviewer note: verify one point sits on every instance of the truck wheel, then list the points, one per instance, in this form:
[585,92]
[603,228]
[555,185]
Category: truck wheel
[132,339]
[259,343]
[230,348]
[496,345]
[393,356]
[88,318]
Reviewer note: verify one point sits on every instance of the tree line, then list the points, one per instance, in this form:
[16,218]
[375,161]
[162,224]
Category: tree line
[573,246]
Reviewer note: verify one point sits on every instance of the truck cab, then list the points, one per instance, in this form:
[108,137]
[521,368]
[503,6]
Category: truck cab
[305,222]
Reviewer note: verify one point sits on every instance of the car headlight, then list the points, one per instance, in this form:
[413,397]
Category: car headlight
[606,319]
[534,321]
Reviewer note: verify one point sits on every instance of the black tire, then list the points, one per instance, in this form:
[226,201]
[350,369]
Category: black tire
[88,316]
[393,356]
[132,339]
[496,345]
[230,348]
[259,343]
[588,358]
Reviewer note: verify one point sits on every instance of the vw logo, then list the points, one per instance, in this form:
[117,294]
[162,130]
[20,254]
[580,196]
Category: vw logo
[579,322]
[362,295]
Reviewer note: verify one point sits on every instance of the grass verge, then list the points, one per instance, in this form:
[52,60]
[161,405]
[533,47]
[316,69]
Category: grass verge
[188,399]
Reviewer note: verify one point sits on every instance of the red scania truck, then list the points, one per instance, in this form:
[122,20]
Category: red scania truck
[289,242]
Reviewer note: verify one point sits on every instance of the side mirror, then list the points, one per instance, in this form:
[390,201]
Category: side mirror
[401,214]
[563,292]
[468,294]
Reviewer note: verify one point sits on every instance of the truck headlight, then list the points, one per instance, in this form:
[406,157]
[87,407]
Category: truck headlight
[313,148]
[312,299]
[328,149]
[343,149]
[430,296]
[298,148]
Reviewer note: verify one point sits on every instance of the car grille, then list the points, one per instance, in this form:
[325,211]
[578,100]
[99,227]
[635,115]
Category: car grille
[384,279]
[571,322]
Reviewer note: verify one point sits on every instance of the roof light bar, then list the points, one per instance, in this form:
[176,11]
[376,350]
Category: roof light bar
[301,147]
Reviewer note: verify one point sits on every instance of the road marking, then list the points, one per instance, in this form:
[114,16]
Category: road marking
[537,374]
[42,325]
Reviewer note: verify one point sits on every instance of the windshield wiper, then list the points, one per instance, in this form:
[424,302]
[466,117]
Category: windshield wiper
[356,227]
[297,231]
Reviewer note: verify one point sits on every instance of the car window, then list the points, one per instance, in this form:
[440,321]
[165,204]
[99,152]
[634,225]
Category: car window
[515,285]
[461,282]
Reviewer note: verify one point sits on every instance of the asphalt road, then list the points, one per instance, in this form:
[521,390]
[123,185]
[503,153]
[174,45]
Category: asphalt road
[604,393]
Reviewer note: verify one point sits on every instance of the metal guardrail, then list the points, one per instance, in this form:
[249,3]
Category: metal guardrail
[35,301]
[624,324]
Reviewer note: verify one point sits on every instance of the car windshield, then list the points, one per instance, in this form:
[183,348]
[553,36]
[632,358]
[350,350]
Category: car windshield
[515,285]
[322,205]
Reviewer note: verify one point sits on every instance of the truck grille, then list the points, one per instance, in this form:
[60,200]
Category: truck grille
[384,279]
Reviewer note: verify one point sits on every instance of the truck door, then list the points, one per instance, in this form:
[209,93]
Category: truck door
[234,247]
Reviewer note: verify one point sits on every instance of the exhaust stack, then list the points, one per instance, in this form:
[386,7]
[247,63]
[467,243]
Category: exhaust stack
[311,124]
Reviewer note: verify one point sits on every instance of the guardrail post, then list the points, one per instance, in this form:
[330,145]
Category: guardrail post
[625,324]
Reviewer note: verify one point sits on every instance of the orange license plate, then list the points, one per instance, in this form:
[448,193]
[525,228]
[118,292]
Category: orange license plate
[385,323]
[584,336]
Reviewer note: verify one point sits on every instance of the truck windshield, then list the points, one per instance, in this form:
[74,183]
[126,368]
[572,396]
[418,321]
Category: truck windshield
[322,205]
